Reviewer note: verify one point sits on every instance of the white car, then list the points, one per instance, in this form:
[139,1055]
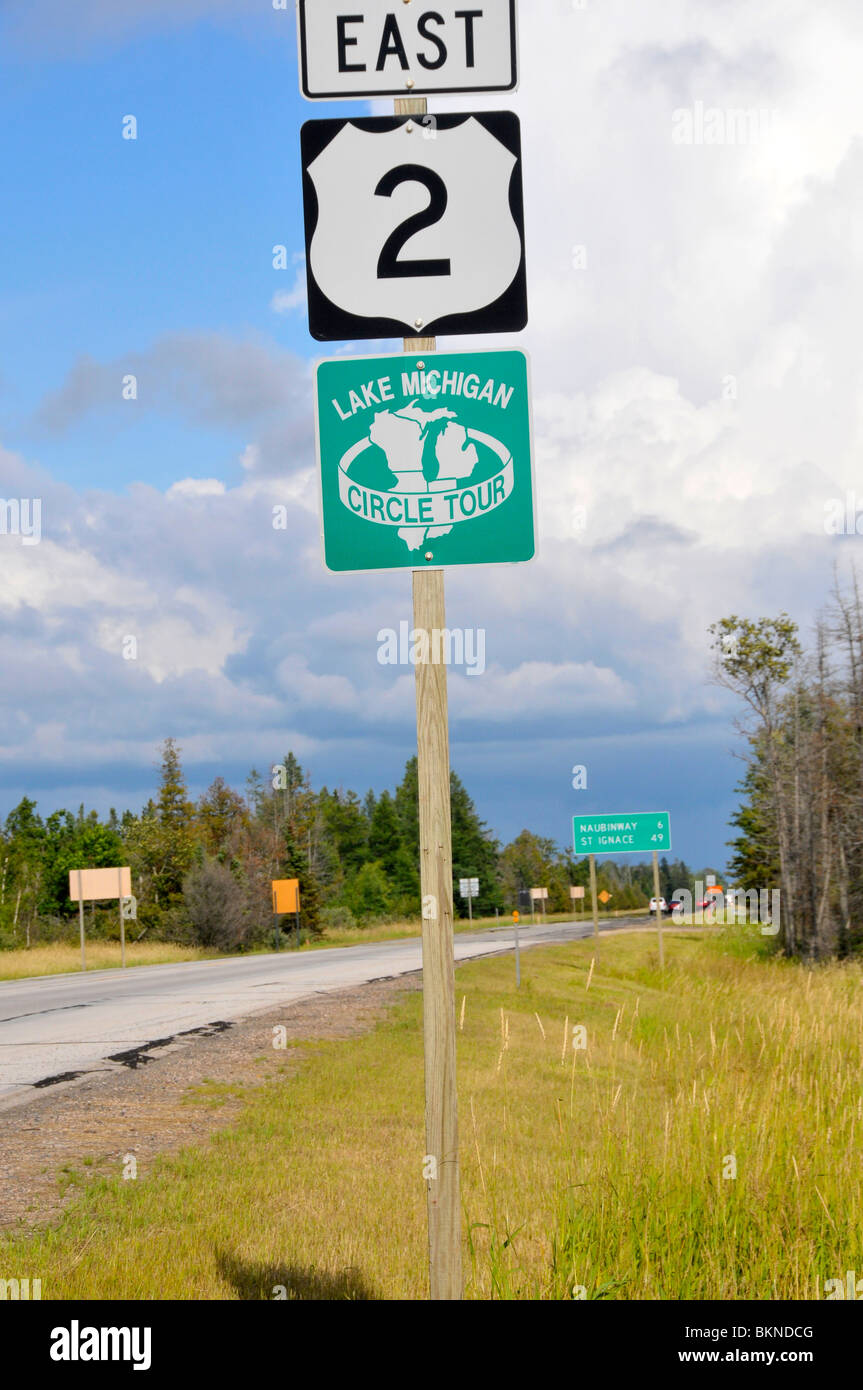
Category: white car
[663,906]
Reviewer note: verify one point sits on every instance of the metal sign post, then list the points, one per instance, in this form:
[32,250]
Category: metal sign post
[469,889]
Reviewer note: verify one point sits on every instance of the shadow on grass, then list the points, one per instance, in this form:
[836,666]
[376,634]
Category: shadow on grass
[254,1282]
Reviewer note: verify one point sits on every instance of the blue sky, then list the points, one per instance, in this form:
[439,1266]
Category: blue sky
[696,399]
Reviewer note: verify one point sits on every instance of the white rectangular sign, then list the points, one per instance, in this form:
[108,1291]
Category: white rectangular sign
[367,48]
[100,883]
[468,887]
[576,892]
[539,894]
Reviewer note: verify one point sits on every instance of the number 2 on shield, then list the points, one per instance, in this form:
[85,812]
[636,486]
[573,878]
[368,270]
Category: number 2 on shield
[389,266]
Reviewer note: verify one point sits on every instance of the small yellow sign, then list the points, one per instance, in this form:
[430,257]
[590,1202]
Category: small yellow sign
[515,917]
[286,895]
[604,896]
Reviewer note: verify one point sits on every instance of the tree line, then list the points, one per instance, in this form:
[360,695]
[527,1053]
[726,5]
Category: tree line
[800,823]
[202,870]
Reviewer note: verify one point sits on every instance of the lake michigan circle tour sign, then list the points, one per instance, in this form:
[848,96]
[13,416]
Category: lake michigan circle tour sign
[425,461]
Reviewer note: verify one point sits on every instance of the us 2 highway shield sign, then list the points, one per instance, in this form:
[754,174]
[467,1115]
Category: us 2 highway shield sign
[414,226]
[375,48]
[425,460]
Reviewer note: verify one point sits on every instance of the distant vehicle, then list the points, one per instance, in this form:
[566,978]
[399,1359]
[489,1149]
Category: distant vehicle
[662,904]
[709,905]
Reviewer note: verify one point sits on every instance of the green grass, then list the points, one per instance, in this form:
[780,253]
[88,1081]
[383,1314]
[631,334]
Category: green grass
[597,1170]
[59,958]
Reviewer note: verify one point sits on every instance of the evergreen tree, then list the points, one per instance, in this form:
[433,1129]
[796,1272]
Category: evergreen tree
[384,833]
[162,839]
[474,853]
[221,812]
[407,805]
[754,862]
[295,864]
[254,791]
[370,894]
[347,826]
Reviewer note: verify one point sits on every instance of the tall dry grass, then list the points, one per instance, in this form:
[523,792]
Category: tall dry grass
[601,1172]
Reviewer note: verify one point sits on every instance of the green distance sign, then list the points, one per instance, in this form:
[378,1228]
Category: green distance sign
[425,460]
[636,832]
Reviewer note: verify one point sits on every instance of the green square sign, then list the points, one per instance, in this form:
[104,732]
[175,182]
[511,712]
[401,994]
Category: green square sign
[629,832]
[425,460]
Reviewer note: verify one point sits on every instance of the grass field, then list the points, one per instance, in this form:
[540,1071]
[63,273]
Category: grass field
[58,958]
[603,1172]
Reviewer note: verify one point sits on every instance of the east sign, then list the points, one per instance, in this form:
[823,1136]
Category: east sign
[369,48]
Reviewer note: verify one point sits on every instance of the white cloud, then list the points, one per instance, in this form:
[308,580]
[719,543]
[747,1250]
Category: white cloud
[286,301]
[697,402]
[197,487]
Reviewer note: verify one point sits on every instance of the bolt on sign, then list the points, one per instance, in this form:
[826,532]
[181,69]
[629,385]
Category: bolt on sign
[286,895]
[425,461]
[379,49]
[414,225]
[637,832]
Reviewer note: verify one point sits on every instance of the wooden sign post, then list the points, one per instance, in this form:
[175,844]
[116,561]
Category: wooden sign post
[367,280]
[594,901]
[122,920]
[658,907]
[436,887]
[81,919]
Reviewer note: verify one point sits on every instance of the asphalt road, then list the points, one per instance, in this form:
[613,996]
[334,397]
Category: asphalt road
[58,1027]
